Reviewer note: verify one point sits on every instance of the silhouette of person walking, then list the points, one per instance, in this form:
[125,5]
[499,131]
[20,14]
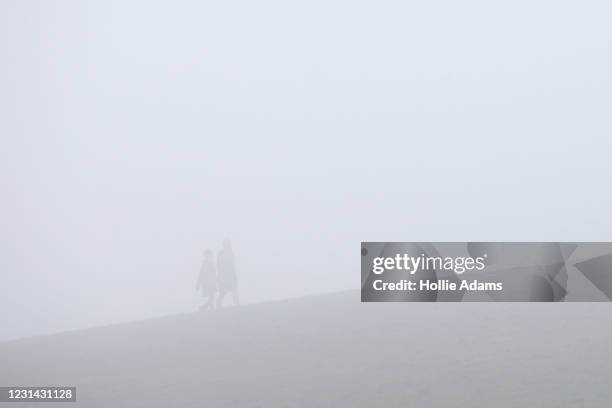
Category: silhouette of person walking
[207,280]
[228,281]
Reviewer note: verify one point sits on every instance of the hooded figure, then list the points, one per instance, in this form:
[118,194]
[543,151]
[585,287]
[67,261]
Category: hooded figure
[227,273]
[207,280]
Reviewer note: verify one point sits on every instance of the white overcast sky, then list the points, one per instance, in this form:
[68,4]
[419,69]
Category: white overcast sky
[134,135]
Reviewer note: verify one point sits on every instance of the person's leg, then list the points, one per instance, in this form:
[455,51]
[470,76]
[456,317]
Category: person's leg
[220,298]
[210,304]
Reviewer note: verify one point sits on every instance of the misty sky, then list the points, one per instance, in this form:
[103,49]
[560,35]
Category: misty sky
[134,135]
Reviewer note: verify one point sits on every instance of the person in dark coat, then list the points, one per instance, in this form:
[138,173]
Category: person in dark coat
[207,280]
[228,282]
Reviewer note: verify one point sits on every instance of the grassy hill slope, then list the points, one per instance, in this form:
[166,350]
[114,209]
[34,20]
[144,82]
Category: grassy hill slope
[331,350]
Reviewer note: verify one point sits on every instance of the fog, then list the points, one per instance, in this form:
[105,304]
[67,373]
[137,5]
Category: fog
[135,135]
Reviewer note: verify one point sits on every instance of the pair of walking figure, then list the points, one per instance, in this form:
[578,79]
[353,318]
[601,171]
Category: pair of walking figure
[217,280]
